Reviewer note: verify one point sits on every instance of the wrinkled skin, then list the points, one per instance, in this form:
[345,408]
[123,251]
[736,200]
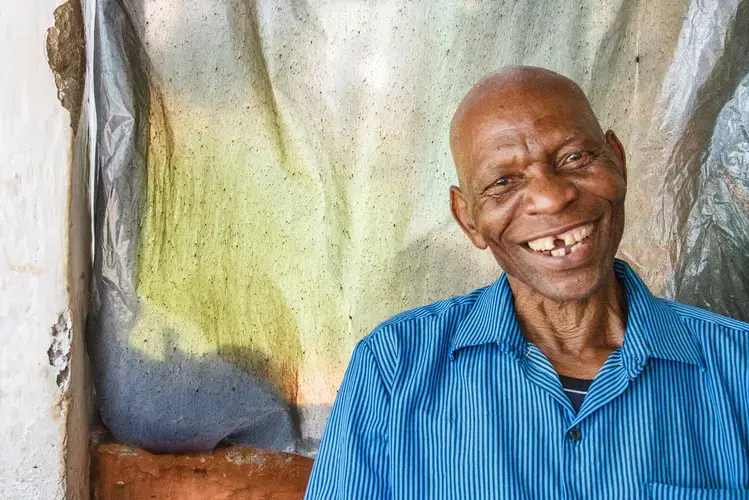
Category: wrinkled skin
[532,162]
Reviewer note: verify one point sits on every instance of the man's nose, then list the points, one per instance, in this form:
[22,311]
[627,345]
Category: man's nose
[548,193]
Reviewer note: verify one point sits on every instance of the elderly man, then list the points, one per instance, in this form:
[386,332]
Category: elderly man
[565,378]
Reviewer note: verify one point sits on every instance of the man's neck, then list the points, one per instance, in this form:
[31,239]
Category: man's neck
[579,336]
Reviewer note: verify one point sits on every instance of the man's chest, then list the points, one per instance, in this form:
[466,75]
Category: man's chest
[477,435]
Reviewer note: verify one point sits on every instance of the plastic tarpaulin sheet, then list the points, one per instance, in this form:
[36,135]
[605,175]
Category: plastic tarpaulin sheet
[272,179]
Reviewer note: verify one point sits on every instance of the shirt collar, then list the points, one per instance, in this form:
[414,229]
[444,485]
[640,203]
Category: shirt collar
[491,320]
[653,328]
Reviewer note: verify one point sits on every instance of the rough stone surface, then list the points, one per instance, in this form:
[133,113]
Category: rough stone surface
[66,50]
[121,472]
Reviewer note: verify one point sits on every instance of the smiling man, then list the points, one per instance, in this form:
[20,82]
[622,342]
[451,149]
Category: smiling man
[565,378]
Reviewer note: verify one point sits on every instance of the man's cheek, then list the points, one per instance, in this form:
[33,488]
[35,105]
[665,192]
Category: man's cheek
[611,182]
[608,187]
[494,230]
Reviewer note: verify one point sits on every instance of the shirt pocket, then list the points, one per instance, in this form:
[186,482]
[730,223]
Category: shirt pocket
[668,492]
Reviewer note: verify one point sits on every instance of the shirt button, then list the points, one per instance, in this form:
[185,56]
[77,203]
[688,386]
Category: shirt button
[575,434]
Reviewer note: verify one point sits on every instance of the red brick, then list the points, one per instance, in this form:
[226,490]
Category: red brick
[230,473]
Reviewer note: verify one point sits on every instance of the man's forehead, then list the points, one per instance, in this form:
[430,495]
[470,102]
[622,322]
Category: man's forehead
[541,110]
[495,135]
[520,104]
[500,129]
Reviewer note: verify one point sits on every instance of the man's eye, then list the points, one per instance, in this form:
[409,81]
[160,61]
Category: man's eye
[574,157]
[502,181]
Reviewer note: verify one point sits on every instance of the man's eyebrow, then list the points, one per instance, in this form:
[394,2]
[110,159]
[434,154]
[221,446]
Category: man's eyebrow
[571,137]
[497,159]
[584,142]
[499,148]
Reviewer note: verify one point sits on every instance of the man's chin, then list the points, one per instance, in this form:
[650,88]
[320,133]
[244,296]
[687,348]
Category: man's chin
[571,285]
[574,291]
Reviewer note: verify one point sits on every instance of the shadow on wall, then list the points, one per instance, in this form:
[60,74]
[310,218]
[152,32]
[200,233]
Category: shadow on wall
[182,403]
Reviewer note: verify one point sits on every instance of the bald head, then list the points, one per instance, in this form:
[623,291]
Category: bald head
[516,93]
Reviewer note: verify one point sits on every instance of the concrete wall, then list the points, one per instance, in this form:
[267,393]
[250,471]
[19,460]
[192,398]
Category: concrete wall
[43,395]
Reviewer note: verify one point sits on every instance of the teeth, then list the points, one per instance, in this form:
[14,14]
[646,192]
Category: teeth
[575,234]
[570,238]
[542,244]
[575,247]
[559,252]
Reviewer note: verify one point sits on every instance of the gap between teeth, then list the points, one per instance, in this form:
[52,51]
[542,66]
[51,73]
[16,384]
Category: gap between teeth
[572,237]
[561,252]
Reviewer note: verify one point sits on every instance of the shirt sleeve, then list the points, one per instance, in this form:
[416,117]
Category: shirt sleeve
[353,460]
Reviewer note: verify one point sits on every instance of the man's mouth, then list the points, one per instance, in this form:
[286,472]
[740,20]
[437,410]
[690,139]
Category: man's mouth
[562,244]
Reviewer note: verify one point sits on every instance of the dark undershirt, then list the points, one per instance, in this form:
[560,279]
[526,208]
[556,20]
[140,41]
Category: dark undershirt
[575,389]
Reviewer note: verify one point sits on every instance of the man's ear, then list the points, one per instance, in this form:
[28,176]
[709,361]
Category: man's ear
[459,209]
[616,146]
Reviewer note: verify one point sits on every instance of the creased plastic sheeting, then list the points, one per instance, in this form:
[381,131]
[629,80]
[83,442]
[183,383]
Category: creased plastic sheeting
[165,399]
[272,183]
[706,189]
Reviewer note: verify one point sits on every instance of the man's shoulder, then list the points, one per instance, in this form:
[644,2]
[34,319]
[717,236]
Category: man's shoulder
[703,317]
[420,330]
[714,331]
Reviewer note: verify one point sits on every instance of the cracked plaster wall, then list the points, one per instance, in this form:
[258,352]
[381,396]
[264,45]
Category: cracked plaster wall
[44,251]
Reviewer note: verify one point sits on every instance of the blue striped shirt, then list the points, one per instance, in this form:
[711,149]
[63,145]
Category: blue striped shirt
[449,401]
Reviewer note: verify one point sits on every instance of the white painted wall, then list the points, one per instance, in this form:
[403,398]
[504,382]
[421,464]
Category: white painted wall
[35,175]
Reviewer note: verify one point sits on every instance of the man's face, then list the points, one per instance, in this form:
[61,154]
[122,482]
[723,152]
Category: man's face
[544,190]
